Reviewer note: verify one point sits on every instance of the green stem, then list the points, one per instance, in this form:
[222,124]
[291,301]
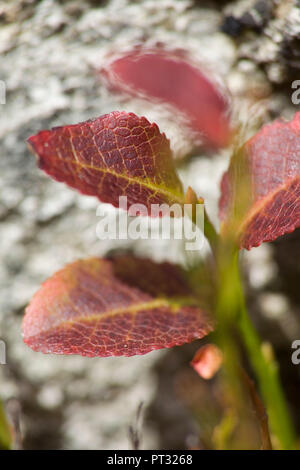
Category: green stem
[265,368]
[5,434]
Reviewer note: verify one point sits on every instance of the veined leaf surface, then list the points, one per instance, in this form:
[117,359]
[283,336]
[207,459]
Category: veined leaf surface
[169,77]
[271,171]
[111,307]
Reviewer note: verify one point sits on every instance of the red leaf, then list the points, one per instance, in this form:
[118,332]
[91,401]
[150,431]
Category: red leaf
[207,361]
[272,159]
[89,308]
[170,78]
[117,154]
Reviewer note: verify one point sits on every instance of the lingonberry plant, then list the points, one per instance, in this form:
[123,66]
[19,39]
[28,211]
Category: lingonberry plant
[125,305]
[6,437]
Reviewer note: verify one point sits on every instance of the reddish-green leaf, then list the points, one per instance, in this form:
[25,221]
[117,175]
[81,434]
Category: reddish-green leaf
[6,433]
[117,154]
[169,77]
[268,169]
[207,361]
[113,307]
